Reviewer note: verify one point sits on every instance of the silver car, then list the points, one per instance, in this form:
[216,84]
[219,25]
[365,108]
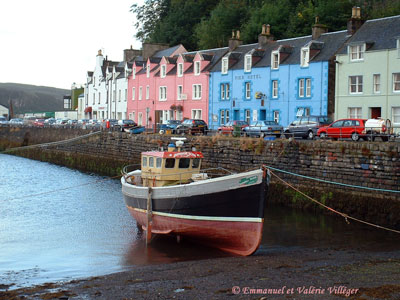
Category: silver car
[263,128]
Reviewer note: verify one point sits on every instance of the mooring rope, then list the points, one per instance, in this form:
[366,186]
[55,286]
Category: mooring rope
[333,182]
[345,216]
[51,143]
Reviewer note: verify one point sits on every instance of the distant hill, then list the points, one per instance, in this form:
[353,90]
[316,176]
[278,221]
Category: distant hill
[31,98]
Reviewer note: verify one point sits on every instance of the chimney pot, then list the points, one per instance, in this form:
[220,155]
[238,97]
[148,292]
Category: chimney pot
[233,34]
[238,35]
[316,20]
[268,29]
[264,28]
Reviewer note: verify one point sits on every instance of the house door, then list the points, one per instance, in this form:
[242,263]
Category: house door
[236,115]
[263,114]
[158,116]
[375,112]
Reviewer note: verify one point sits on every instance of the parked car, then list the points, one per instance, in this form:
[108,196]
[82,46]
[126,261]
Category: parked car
[306,126]
[38,123]
[263,128]
[3,120]
[16,121]
[49,122]
[192,126]
[170,125]
[229,127]
[344,128]
[112,123]
[125,124]
[82,123]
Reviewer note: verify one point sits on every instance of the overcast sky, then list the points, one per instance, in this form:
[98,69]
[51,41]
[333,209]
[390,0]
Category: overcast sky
[54,43]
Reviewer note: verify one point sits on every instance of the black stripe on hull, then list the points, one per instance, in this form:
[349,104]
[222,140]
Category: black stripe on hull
[247,201]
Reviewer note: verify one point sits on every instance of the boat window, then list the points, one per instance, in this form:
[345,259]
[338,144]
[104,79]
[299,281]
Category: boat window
[144,162]
[170,163]
[184,163]
[196,163]
[151,161]
[158,162]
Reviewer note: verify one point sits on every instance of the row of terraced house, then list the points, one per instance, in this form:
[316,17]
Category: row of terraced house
[350,73]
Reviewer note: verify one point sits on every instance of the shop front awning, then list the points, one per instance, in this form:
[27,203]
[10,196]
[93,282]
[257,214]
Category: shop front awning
[88,109]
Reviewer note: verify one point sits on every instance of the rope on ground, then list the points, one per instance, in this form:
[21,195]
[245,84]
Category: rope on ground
[345,216]
[333,182]
[51,143]
[62,189]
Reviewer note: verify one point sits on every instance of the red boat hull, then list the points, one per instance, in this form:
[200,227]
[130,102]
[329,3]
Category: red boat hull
[240,236]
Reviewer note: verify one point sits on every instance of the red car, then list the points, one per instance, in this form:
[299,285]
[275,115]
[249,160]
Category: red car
[229,126]
[39,123]
[344,128]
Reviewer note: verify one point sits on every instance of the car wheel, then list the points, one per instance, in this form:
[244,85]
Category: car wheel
[355,137]
[287,135]
[311,135]
[323,135]
[384,138]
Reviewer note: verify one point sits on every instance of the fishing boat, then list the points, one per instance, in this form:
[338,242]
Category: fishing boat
[170,194]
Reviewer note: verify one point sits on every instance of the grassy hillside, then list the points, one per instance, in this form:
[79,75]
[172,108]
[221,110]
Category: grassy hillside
[30,98]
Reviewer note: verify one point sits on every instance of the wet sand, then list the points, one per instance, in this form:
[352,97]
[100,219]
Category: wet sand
[282,273]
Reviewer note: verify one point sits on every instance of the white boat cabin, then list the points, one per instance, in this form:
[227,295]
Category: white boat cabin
[164,168]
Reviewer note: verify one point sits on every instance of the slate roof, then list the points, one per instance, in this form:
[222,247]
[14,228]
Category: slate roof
[383,33]
[167,52]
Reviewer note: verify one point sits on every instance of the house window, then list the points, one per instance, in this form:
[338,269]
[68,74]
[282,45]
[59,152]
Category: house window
[140,93]
[163,71]
[94,80]
[148,71]
[398,48]
[196,91]
[94,98]
[305,57]
[275,89]
[247,115]
[134,73]
[227,91]
[354,112]
[247,63]
[126,95]
[119,96]
[377,83]
[180,69]
[248,90]
[303,111]
[396,82]
[180,91]
[147,92]
[301,88]
[308,87]
[223,91]
[100,98]
[196,114]
[227,117]
[276,116]
[356,52]
[355,84]
[197,68]
[179,115]
[224,67]
[140,119]
[275,60]
[163,93]
[396,115]
[222,118]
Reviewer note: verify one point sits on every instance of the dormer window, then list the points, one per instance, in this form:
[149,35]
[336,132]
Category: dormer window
[224,67]
[163,71]
[180,70]
[398,48]
[94,80]
[197,68]
[275,60]
[134,73]
[247,63]
[356,52]
[304,57]
[148,70]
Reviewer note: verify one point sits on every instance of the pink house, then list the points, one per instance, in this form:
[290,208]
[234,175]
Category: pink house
[170,87]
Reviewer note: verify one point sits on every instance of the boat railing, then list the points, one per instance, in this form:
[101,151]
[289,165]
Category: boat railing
[211,173]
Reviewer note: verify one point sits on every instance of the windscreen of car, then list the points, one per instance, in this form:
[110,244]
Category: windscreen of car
[304,121]
[186,122]
[269,123]
[325,120]
[230,123]
[295,122]
[129,122]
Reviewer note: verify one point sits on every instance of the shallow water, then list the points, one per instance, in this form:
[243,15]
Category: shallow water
[61,224]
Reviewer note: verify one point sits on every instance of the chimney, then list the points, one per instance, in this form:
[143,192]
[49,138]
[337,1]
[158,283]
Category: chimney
[130,54]
[355,22]
[234,41]
[149,49]
[318,29]
[265,36]
[99,59]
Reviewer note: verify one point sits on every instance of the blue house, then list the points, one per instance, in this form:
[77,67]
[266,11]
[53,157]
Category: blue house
[275,80]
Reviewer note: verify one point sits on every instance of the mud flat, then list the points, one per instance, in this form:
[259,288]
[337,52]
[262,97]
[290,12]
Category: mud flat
[274,273]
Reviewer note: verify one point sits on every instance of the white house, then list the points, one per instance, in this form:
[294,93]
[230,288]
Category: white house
[3,111]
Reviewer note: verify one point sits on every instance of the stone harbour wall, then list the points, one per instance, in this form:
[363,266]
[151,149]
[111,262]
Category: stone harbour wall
[375,165]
